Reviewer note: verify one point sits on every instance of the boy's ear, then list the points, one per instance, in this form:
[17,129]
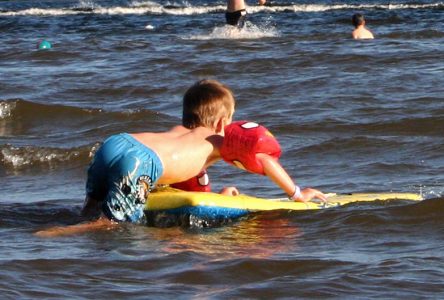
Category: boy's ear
[220,125]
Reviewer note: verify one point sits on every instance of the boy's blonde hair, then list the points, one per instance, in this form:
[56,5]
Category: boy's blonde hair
[206,101]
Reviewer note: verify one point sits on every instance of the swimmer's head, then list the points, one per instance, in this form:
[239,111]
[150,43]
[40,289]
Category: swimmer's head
[358,19]
[205,102]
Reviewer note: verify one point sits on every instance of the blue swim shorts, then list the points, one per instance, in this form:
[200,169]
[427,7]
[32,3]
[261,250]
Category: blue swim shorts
[121,176]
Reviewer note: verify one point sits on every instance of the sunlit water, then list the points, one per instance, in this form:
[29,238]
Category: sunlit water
[351,116]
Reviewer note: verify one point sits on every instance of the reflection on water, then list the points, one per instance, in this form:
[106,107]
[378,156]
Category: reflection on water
[260,236]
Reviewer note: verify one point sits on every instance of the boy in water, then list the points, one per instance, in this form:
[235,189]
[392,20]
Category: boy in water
[360,32]
[194,114]
[127,166]
[236,12]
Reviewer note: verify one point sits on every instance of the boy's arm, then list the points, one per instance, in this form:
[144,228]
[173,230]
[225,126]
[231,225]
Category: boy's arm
[278,175]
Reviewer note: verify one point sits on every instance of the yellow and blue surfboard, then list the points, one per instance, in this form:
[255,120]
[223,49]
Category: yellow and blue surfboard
[212,205]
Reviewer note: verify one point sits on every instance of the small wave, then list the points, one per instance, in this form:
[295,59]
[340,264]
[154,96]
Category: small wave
[356,143]
[425,126]
[137,9]
[44,213]
[327,7]
[149,7]
[429,211]
[22,157]
[20,117]
[417,35]
[23,109]
[376,215]
[41,12]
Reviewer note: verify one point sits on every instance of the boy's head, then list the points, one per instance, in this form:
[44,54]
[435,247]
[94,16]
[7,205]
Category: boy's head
[206,102]
[358,19]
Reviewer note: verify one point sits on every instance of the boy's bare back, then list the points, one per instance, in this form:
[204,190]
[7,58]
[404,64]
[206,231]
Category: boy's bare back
[184,152]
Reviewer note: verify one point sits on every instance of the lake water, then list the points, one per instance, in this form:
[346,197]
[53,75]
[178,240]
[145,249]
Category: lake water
[351,116]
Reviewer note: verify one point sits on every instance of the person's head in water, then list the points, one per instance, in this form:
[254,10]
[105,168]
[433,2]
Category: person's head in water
[358,19]
[360,31]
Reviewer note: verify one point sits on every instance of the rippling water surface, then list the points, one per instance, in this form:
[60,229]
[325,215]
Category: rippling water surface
[351,116]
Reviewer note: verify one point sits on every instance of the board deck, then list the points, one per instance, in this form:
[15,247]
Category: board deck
[211,204]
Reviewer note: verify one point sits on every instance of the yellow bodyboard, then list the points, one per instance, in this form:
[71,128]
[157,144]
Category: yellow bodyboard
[169,198]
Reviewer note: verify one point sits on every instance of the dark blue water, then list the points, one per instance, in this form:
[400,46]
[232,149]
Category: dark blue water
[351,116]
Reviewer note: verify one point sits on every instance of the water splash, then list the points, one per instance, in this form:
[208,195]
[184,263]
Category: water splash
[87,4]
[432,191]
[249,32]
[6,109]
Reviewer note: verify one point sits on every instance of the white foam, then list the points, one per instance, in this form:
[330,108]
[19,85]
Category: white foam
[150,7]
[19,157]
[250,31]
[117,10]
[143,3]
[429,192]
[6,109]
[41,12]
[10,156]
[194,10]
[86,4]
[327,7]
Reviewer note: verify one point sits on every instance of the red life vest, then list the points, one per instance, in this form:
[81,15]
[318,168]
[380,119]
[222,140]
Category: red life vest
[199,183]
[243,140]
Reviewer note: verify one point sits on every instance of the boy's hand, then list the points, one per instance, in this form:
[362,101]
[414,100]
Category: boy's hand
[309,193]
[261,2]
[229,191]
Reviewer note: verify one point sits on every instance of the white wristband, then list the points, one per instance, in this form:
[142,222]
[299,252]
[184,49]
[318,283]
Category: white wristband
[297,193]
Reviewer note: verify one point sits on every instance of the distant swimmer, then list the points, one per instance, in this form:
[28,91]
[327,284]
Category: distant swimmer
[360,31]
[236,13]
